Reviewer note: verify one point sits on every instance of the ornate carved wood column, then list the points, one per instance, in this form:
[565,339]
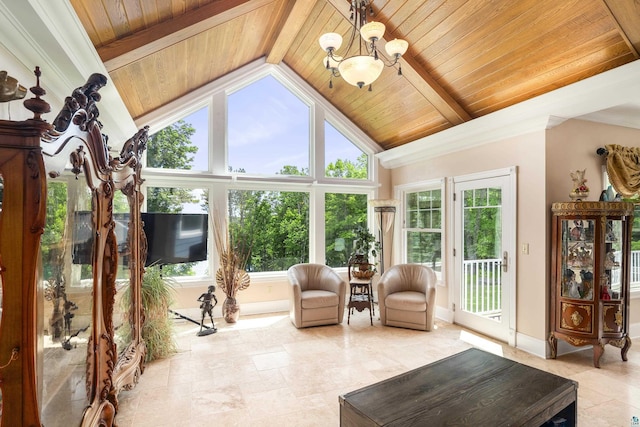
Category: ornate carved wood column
[22,218]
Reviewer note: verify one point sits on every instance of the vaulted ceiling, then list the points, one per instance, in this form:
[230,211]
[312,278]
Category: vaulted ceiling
[466,58]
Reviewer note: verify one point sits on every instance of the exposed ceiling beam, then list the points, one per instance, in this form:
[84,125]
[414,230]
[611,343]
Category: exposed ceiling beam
[289,30]
[430,89]
[143,43]
[624,14]
[420,79]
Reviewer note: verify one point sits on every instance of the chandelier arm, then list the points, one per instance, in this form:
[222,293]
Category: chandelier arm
[390,63]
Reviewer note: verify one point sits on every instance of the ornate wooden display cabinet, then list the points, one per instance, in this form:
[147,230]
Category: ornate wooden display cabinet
[22,217]
[590,275]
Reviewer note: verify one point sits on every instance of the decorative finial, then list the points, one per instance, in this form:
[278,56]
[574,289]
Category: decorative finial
[37,105]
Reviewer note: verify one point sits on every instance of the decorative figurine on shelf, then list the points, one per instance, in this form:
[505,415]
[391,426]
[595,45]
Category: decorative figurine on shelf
[604,288]
[610,235]
[610,260]
[572,287]
[577,232]
[608,195]
[580,189]
[208,301]
[587,284]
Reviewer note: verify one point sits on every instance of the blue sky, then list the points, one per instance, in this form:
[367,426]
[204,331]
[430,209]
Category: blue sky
[268,129]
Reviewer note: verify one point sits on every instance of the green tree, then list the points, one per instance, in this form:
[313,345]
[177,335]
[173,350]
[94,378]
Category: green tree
[349,169]
[344,212]
[52,242]
[482,210]
[635,229]
[273,224]
[171,148]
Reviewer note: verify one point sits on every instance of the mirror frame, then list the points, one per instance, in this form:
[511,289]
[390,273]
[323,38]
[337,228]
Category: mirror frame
[77,138]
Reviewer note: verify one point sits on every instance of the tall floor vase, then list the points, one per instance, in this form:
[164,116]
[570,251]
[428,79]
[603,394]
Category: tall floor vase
[230,310]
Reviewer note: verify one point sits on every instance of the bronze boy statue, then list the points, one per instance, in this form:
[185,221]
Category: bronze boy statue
[208,301]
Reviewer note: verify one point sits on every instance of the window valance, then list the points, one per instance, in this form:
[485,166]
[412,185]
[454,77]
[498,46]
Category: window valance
[623,168]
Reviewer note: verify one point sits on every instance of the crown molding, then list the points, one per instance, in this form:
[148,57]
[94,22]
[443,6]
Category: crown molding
[609,89]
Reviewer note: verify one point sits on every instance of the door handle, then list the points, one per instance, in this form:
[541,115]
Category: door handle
[505,260]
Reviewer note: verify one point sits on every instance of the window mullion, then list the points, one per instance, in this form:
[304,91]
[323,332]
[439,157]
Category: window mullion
[316,226]
[218,134]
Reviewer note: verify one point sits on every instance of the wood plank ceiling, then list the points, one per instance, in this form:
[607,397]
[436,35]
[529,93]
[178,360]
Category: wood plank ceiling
[466,58]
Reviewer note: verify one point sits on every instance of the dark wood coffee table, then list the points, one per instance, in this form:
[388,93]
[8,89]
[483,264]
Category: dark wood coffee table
[471,388]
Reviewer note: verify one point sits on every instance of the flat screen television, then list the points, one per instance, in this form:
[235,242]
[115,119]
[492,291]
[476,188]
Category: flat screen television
[171,238]
[83,237]
[175,238]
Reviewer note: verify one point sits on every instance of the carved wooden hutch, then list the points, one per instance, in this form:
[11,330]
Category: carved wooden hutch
[40,348]
[590,275]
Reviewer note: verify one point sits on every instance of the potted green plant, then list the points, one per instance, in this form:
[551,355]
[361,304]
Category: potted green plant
[157,294]
[365,247]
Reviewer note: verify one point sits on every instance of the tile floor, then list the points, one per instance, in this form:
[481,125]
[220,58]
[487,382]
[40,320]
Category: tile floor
[264,372]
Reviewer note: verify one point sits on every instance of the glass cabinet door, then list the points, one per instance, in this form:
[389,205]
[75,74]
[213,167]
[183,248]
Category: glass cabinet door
[578,258]
[611,279]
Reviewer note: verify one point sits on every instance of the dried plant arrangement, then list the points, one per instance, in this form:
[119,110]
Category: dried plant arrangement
[231,276]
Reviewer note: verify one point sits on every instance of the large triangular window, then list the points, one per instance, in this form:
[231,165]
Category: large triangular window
[342,158]
[268,130]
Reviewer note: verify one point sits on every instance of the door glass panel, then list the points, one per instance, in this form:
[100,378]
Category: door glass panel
[578,258]
[67,278]
[482,252]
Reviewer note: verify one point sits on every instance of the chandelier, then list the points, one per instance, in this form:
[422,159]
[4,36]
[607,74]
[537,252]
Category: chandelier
[361,65]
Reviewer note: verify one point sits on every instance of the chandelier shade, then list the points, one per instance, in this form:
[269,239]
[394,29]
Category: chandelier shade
[396,47]
[373,31]
[361,63]
[330,41]
[360,70]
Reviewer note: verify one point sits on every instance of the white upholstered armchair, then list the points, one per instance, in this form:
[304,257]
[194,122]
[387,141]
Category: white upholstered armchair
[317,295]
[407,296]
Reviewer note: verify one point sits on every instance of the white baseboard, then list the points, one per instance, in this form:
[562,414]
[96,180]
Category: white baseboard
[540,348]
[264,307]
[531,345]
[444,314]
[634,330]
[247,308]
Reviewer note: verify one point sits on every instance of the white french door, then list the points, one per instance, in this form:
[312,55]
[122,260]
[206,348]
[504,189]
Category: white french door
[484,253]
